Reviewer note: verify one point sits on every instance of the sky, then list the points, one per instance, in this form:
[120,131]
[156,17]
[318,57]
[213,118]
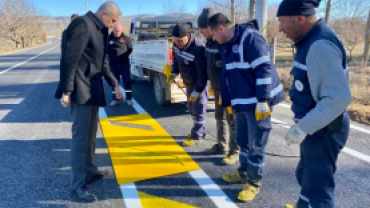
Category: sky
[128,7]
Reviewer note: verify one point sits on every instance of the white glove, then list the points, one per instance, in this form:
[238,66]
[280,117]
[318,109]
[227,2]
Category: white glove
[295,135]
[262,111]
[194,96]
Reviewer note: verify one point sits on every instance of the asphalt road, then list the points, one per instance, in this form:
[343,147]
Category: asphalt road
[35,133]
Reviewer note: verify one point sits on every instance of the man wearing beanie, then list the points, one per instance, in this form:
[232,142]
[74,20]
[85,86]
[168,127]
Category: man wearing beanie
[225,145]
[252,86]
[320,95]
[189,60]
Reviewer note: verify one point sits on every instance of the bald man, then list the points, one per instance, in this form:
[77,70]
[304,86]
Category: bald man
[82,66]
[119,50]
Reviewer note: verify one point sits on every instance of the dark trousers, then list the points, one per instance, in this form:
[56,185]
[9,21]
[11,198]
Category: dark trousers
[252,137]
[84,127]
[123,70]
[225,122]
[198,111]
[316,168]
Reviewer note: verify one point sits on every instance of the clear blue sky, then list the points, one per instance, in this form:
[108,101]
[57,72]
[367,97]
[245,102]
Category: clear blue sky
[128,7]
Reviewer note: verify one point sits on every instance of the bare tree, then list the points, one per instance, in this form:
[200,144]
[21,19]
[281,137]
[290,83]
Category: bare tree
[168,7]
[351,32]
[20,22]
[224,6]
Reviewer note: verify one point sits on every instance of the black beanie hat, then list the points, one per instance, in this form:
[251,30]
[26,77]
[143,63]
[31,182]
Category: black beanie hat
[204,17]
[180,30]
[297,7]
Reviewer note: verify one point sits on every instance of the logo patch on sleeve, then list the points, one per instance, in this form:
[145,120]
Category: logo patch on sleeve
[236,49]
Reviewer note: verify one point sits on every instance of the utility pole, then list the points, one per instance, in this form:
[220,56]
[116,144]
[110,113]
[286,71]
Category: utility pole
[232,11]
[367,42]
[261,15]
[252,5]
[328,8]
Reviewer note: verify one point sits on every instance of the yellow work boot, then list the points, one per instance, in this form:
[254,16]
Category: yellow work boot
[189,142]
[234,177]
[248,193]
[215,150]
[230,159]
[289,206]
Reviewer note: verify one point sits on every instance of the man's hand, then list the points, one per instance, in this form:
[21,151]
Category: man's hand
[65,100]
[171,77]
[295,135]
[119,94]
[194,96]
[262,111]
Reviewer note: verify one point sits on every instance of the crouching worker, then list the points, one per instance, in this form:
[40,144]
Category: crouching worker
[190,62]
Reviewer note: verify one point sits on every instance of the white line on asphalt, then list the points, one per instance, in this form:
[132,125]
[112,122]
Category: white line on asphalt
[15,66]
[347,150]
[352,126]
[219,198]
[130,196]
[129,192]
[214,192]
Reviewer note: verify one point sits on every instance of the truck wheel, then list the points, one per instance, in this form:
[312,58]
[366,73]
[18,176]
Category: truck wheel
[159,92]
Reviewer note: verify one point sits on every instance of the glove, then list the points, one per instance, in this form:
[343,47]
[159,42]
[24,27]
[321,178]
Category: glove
[219,63]
[211,92]
[171,77]
[194,96]
[230,110]
[262,111]
[295,135]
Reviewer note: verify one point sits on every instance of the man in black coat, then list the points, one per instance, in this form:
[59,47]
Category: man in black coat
[119,50]
[82,66]
[64,34]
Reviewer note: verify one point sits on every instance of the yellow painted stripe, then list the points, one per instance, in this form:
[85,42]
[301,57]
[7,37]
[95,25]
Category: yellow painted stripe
[149,201]
[140,153]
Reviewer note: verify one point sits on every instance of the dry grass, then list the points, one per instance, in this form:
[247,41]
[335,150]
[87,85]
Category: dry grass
[359,109]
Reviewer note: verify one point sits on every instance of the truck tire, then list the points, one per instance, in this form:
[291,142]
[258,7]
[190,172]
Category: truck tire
[159,91]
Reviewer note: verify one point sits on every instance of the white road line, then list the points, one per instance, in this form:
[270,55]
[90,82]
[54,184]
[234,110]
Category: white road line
[347,150]
[130,196]
[15,66]
[129,192]
[352,126]
[219,198]
[213,191]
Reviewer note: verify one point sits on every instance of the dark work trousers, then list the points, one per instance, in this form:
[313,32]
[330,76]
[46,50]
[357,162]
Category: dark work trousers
[225,123]
[123,70]
[84,127]
[198,111]
[252,137]
[316,168]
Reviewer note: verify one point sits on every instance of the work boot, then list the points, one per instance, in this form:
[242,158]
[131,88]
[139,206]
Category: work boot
[114,103]
[289,206]
[215,150]
[248,193]
[189,142]
[230,159]
[129,102]
[83,194]
[234,177]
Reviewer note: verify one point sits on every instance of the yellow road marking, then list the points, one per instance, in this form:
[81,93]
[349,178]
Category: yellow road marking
[140,154]
[149,201]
